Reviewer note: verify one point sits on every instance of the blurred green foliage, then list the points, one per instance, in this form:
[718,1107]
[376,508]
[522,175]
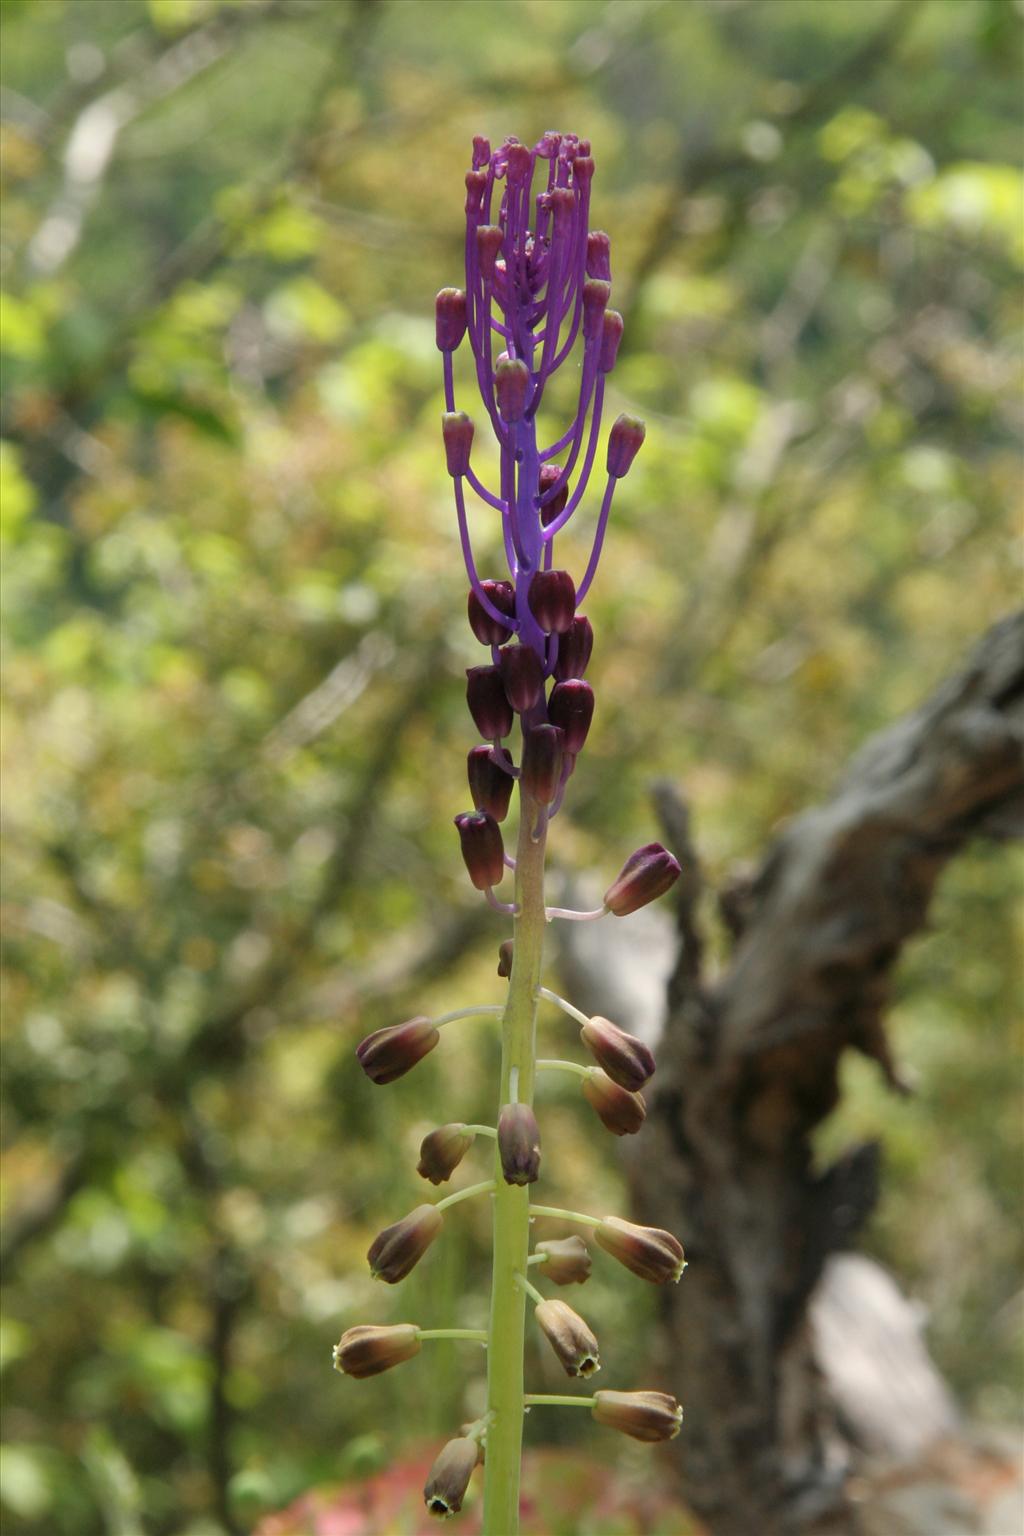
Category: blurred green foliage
[234,640]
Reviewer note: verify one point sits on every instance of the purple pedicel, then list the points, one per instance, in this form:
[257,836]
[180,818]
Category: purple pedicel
[537,288]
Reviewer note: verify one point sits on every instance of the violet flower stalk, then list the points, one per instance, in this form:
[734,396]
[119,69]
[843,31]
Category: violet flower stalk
[536,296]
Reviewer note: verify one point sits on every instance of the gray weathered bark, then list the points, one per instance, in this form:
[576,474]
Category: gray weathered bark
[749,1067]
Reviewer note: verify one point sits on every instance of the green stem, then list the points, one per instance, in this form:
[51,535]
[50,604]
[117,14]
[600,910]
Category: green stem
[555,1210]
[549,1064]
[479,1334]
[464,1194]
[512,1201]
[546,1400]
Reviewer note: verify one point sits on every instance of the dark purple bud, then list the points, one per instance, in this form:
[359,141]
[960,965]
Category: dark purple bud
[549,473]
[522,673]
[552,599]
[595,300]
[399,1248]
[489,238]
[392,1052]
[511,384]
[449,1477]
[626,1059]
[487,629]
[488,703]
[476,185]
[366,1350]
[611,335]
[571,706]
[542,762]
[489,784]
[482,848]
[481,151]
[583,168]
[649,1252]
[442,1151]
[450,318]
[646,875]
[599,249]
[569,1337]
[457,430]
[518,164]
[574,648]
[624,442]
[648,1416]
[619,1111]
[519,1144]
[566,1260]
[505,958]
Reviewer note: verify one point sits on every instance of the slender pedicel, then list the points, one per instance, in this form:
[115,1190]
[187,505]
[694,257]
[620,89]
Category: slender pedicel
[486,1186]
[560,1002]
[556,1400]
[550,1064]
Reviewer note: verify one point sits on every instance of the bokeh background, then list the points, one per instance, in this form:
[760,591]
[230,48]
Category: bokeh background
[234,641]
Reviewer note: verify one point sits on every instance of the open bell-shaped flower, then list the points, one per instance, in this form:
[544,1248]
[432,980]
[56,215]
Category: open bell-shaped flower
[449,1477]
[569,1337]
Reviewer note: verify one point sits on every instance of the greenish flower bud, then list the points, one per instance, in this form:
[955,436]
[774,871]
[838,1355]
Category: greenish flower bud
[446,1486]
[398,1249]
[619,1111]
[567,1260]
[569,1337]
[646,1416]
[519,1144]
[366,1351]
[442,1151]
[649,1252]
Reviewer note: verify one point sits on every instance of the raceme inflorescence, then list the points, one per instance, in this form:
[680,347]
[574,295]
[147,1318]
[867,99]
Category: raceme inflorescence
[537,286]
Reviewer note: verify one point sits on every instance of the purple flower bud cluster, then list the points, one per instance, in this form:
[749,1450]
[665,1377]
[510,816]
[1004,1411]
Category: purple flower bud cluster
[538,281]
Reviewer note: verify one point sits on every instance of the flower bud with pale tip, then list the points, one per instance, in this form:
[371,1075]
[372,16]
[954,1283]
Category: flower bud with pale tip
[549,474]
[489,239]
[567,1260]
[449,1477]
[624,443]
[543,751]
[505,958]
[552,599]
[482,848]
[457,431]
[595,301]
[647,874]
[522,673]
[569,1337]
[649,1252]
[511,385]
[519,1144]
[442,1151]
[486,628]
[619,1111]
[476,185]
[626,1059]
[450,318]
[611,335]
[599,262]
[646,1416]
[489,784]
[391,1052]
[574,648]
[398,1249]
[571,706]
[488,702]
[366,1351]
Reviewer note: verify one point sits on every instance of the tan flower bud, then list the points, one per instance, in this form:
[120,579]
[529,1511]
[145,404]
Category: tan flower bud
[567,1261]
[621,1112]
[569,1337]
[446,1486]
[442,1151]
[648,1251]
[626,1059]
[644,1415]
[366,1351]
[391,1052]
[519,1144]
[399,1248]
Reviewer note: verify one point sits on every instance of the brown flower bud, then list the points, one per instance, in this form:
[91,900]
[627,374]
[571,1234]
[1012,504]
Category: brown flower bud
[646,1416]
[621,1112]
[571,706]
[549,475]
[446,1486]
[646,1251]
[574,648]
[612,327]
[519,1144]
[488,243]
[442,1151]
[488,702]
[569,1337]
[568,1260]
[647,874]
[398,1249]
[391,1052]
[626,1059]
[542,762]
[596,294]
[482,848]
[552,599]
[366,1351]
[489,784]
[522,673]
[599,255]
[505,958]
